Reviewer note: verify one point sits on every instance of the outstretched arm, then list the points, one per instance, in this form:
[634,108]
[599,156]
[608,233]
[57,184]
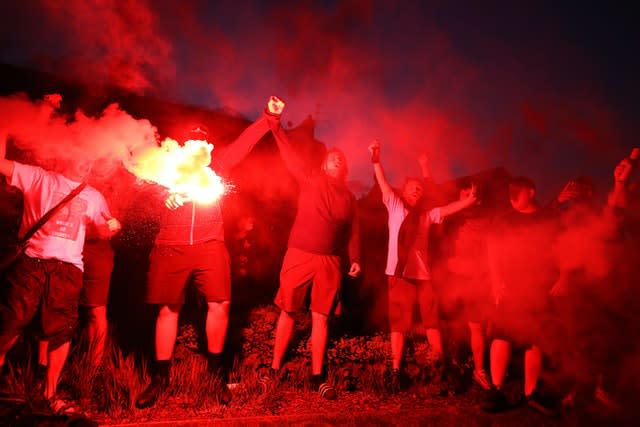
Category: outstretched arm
[459,205]
[233,153]
[385,187]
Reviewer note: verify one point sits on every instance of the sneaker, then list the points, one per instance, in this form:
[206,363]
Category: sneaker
[151,394]
[325,389]
[481,378]
[541,404]
[223,393]
[495,401]
[65,406]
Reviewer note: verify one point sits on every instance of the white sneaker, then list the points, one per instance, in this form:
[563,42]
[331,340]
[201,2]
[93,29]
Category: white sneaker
[481,378]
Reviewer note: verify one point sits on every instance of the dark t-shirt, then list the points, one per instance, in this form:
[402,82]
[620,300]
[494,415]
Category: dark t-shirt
[523,245]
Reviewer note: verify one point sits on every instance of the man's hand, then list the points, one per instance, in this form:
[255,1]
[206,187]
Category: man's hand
[175,200]
[374,149]
[622,170]
[275,106]
[569,192]
[472,197]
[113,225]
[355,270]
[423,160]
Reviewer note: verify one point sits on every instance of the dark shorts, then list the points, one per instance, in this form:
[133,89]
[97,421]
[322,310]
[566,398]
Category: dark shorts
[305,275]
[523,325]
[403,295]
[98,265]
[474,292]
[171,268]
[53,286]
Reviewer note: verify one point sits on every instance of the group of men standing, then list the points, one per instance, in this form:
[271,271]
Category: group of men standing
[190,249]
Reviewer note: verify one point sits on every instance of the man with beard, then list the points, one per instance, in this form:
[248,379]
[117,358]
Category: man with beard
[324,228]
[408,270]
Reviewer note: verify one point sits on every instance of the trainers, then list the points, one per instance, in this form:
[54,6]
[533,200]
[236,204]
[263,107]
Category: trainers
[541,404]
[495,401]
[481,378]
[325,389]
[223,393]
[151,394]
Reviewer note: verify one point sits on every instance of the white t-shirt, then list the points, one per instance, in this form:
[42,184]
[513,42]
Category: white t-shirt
[62,236]
[416,266]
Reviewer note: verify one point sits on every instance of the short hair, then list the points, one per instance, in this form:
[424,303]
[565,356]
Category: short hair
[522,183]
[334,150]
[466,183]
[198,132]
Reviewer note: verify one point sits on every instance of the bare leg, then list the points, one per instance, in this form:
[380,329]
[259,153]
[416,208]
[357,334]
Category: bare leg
[433,335]
[97,332]
[166,330]
[56,359]
[284,329]
[500,355]
[397,349]
[477,345]
[532,369]
[217,324]
[318,341]
[4,349]
[43,349]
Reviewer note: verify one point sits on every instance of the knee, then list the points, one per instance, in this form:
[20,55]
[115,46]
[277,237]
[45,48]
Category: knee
[319,318]
[219,308]
[167,312]
[97,315]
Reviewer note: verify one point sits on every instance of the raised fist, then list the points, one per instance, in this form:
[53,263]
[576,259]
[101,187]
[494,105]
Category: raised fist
[275,106]
[374,148]
[622,170]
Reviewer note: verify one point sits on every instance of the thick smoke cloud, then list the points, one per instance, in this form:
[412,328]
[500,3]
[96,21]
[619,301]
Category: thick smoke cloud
[497,86]
[47,135]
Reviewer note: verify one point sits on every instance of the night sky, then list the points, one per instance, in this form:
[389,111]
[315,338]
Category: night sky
[545,90]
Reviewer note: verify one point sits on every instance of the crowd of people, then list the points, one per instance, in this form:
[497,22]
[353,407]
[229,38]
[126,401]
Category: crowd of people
[545,279]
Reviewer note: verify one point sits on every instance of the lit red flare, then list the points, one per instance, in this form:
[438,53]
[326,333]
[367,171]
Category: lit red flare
[182,169]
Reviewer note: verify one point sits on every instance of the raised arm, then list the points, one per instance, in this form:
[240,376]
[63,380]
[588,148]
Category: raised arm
[618,196]
[425,169]
[385,187]
[294,162]
[461,204]
[6,166]
[233,153]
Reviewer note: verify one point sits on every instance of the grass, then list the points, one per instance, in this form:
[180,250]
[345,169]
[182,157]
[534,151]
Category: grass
[108,392]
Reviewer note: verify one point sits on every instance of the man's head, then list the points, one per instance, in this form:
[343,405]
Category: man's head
[522,194]
[335,164]
[75,169]
[412,191]
[198,132]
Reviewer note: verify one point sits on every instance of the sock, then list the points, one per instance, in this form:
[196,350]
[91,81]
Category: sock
[214,363]
[161,369]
